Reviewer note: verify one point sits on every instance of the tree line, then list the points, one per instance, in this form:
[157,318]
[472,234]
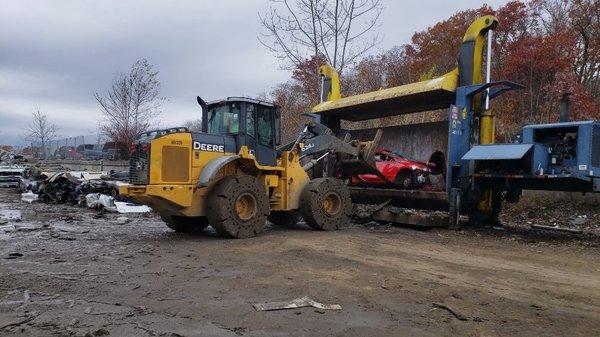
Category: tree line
[552,47]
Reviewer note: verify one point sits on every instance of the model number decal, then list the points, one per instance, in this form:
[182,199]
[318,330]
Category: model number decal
[209,147]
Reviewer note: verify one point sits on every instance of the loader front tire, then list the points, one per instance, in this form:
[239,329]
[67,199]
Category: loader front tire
[183,224]
[237,207]
[325,204]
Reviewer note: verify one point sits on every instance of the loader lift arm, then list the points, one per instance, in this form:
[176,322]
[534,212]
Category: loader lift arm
[316,138]
[356,157]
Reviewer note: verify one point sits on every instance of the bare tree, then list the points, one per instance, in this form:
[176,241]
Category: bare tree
[340,30]
[41,132]
[132,103]
[194,125]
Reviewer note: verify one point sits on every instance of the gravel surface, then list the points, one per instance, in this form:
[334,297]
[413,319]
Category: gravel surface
[66,270]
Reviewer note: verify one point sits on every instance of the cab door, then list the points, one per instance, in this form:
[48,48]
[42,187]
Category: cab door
[260,133]
[250,129]
[265,135]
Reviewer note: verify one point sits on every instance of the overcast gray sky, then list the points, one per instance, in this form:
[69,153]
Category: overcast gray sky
[55,54]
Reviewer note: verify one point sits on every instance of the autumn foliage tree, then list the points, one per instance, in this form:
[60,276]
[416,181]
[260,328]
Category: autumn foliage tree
[552,47]
[434,51]
[538,46]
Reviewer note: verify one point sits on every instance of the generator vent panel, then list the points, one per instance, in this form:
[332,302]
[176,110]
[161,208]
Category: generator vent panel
[175,164]
[138,166]
[596,145]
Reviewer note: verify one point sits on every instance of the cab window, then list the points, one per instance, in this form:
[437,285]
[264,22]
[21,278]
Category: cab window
[224,119]
[251,120]
[265,126]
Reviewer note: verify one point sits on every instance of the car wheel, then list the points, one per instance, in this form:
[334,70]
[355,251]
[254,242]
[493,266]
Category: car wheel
[404,179]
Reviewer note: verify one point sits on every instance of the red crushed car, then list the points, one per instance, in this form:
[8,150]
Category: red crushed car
[399,171]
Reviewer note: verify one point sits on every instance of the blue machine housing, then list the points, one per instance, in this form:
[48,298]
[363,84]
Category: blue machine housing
[583,161]
[558,156]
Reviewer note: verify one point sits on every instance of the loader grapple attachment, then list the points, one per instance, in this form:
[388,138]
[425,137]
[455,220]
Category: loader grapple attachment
[364,163]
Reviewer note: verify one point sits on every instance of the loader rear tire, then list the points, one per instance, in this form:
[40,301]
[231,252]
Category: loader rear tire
[183,224]
[325,204]
[285,218]
[237,207]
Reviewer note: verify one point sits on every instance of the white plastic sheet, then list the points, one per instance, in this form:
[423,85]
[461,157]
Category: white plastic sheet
[125,207]
[29,197]
[103,201]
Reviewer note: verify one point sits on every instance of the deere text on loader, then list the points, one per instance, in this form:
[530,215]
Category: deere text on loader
[232,177]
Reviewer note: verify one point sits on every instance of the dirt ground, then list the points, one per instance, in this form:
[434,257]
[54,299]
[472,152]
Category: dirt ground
[66,270]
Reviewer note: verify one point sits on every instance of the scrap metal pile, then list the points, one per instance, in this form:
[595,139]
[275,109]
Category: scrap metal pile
[7,156]
[10,175]
[98,190]
[11,169]
[67,186]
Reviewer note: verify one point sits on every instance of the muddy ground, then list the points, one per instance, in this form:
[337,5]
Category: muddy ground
[66,270]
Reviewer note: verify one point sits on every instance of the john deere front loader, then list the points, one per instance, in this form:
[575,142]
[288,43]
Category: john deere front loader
[232,177]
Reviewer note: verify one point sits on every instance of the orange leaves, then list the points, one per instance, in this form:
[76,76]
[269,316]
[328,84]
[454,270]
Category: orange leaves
[552,47]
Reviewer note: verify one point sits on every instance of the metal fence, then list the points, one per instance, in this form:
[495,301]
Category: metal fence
[90,147]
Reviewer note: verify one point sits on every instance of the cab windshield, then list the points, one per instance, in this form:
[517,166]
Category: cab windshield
[224,119]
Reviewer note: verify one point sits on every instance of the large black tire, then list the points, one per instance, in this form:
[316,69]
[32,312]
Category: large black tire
[183,224]
[325,204]
[237,207]
[285,218]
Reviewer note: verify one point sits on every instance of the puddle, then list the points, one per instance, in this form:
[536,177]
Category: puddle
[28,227]
[10,214]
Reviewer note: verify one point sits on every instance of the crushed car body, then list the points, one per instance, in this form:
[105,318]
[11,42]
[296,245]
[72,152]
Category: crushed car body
[398,170]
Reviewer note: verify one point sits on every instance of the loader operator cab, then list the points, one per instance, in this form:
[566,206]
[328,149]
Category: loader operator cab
[252,123]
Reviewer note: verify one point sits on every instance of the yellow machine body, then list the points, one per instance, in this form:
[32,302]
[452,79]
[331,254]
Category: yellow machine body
[175,167]
[426,95]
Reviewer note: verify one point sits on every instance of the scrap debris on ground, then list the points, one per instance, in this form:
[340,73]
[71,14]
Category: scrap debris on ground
[97,190]
[300,302]
[10,175]
[68,269]
[572,217]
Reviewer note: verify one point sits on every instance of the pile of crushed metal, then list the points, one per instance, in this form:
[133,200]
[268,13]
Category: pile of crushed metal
[98,190]
[578,217]
[11,169]
[9,156]
[10,175]
[534,213]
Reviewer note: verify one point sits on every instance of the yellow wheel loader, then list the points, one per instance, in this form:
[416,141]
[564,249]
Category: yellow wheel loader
[233,177]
